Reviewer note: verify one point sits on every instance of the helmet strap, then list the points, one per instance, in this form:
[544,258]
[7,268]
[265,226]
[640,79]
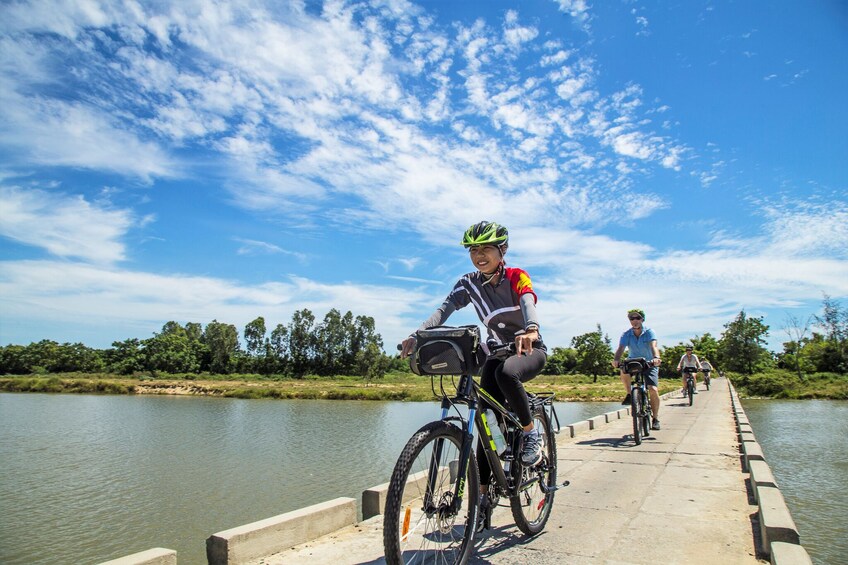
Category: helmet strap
[494,276]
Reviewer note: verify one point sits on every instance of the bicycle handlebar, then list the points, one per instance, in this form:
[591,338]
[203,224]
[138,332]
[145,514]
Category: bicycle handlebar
[634,365]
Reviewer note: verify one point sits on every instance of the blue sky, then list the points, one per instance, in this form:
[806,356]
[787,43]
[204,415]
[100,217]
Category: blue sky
[193,161]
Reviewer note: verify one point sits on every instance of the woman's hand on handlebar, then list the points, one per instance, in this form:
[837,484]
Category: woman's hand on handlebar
[524,342]
[406,347]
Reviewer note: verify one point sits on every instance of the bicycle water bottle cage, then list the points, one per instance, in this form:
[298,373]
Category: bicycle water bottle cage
[446,350]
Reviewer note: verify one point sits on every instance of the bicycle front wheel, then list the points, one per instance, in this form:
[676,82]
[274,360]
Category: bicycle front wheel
[532,506]
[422,523]
[690,388]
[636,412]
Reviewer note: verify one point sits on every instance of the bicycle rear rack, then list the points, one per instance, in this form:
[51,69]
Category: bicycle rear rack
[545,400]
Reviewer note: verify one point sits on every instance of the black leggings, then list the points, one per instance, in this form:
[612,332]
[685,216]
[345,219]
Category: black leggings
[503,380]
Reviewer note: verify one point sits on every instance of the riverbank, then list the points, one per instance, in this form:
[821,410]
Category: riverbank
[786,385]
[395,386]
[400,386]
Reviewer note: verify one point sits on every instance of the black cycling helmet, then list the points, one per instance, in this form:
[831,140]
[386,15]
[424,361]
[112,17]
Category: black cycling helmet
[486,233]
[636,311]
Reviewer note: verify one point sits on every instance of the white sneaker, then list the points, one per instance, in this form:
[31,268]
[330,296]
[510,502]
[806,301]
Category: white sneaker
[531,452]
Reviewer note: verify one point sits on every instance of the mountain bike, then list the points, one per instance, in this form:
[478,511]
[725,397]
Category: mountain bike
[640,402]
[706,377]
[433,501]
[689,390]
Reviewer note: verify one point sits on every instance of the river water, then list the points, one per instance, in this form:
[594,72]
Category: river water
[805,445]
[86,479]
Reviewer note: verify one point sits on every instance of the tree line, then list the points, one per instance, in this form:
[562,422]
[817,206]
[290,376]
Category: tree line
[338,345]
[741,348]
[348,345]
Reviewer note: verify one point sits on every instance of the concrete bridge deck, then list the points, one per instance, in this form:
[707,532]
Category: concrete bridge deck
[697,491]
[683,496]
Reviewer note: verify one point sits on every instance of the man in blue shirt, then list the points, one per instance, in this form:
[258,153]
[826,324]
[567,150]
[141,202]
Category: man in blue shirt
[641,342]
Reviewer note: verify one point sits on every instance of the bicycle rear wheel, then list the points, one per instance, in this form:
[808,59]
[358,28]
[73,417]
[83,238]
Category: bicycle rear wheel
[419,525]
[531,508]
[646,414]
[635,411]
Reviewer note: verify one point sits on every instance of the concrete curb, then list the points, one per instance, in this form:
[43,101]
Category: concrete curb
[275,534]
[783,553]
[776,524]
[578,428]
[779,537]
[155,556]
[373,500]
[597,422]
[752,452]
[761,476]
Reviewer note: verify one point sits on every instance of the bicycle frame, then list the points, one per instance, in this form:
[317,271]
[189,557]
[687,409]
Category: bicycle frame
[469,394]
[637,367]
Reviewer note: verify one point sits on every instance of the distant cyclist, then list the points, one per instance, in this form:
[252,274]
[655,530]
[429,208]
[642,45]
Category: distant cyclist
[706,368]
[689,359]
[504,300]
[641,342]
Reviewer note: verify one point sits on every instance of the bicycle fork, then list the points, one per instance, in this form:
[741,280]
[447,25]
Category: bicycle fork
[432,506]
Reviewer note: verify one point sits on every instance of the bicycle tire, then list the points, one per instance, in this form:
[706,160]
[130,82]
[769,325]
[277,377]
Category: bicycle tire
[690,387]
[646,415]
[635,405]
[532,507]
[707,382]
[410,533]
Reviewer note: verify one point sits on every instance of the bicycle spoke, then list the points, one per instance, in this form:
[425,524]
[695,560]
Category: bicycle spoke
[532,507]
[421,522]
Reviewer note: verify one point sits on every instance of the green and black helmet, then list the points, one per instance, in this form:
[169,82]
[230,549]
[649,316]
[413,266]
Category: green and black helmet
[636,311]
[486,233]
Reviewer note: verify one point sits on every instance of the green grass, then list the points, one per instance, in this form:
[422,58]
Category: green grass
[397,386]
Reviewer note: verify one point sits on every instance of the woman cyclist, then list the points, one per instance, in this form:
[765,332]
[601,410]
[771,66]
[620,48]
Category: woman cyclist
[504,300]
[689,360]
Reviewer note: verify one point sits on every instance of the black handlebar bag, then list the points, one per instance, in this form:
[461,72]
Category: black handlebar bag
[446,350]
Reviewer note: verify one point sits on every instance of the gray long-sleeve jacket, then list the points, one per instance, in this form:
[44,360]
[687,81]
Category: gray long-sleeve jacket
[507,308]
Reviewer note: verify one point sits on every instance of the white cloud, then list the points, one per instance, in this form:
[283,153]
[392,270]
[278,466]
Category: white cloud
[254,247]
[514,34]
[577,9]
[65,226]
[410,263]
[67,297]
[55,133]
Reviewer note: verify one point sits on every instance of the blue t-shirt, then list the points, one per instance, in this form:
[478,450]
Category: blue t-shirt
[638,346]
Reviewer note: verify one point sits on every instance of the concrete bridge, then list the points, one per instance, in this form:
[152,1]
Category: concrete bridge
[697,491]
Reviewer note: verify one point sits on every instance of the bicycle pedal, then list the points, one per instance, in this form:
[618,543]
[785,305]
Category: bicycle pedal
[556,487]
